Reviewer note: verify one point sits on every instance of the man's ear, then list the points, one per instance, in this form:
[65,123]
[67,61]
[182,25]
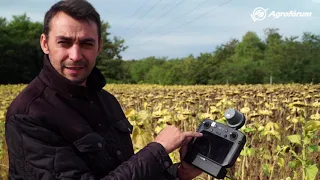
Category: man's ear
[100,46]
[44,44]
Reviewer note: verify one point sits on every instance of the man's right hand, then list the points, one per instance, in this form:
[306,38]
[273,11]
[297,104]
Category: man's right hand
[172,138]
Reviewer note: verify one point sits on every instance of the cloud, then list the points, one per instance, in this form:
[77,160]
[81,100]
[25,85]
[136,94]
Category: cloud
[181,39]
[217,27]
[34,16]
[158,50]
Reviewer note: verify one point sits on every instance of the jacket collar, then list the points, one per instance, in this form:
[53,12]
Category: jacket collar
[95,81]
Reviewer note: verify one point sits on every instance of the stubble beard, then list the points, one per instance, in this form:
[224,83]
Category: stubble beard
[80,80]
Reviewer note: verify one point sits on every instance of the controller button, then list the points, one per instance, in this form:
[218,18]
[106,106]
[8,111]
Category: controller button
[213,124]
[233,136]
[206,125]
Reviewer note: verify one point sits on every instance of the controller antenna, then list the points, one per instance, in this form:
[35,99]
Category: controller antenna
[235,119]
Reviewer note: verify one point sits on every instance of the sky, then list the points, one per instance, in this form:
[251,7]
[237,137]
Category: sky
[179,28]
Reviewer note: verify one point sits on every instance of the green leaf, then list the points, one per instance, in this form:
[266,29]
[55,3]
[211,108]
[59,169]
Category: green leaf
[250,151]
[281,162]
[295,139]
[292,164]
[312,125]
[222,121]
[266,156]
[279,148]
[249,129]
[295,175]
[266,169]
[313,148]
[243,153]
[306,140]
[311,171]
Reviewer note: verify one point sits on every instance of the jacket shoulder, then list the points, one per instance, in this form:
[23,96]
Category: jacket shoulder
[111,106]
[22,102]
[106,95]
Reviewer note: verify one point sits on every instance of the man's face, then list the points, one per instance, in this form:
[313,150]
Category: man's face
[72,46]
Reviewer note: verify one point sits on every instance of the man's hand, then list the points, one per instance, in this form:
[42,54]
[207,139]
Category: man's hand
[171,138]
[186,171]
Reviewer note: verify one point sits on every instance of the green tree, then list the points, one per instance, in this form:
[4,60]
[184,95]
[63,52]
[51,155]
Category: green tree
[221,62]
[311,57]
[274,55]
[246,66]
[141,68]
[20,50]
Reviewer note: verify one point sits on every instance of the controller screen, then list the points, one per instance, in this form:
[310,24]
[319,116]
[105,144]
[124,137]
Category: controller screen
[212,146]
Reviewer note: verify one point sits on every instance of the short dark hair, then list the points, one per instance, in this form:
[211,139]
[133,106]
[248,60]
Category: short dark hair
[78,9]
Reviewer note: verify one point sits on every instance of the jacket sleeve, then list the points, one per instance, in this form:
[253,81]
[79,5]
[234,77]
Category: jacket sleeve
[32,155]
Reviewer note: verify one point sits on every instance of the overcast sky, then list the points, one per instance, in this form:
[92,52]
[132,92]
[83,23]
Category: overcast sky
[177,28]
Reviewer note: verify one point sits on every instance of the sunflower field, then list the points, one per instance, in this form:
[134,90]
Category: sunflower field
[282,123]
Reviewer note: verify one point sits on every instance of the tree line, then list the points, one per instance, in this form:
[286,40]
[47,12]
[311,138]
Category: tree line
[250,60]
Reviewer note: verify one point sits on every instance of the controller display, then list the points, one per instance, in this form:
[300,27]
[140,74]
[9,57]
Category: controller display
[220,145]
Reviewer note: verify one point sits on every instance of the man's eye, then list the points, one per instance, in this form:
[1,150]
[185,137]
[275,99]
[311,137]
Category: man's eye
[62,42]
[88,44]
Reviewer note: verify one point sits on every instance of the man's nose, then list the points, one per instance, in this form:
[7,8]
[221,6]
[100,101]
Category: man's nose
[75,53]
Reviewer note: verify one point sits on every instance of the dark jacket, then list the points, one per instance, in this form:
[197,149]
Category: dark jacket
[58,130]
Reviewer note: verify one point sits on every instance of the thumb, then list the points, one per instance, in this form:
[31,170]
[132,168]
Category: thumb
[186,140]
[184,148]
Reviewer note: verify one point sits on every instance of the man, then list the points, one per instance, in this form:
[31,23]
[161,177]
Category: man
[63,125]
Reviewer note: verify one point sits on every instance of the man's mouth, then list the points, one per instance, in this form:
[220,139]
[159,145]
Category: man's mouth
[74,68]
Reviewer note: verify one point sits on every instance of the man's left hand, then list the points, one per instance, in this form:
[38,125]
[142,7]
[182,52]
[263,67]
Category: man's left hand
[187,171]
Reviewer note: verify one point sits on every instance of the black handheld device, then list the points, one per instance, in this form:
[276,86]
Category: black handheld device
[220,145]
